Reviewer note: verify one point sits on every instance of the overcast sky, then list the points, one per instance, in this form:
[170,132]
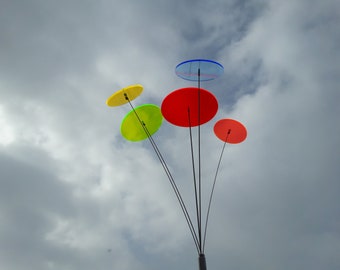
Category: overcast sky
[75,195]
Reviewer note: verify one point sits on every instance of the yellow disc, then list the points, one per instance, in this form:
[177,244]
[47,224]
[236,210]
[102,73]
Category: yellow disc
[124,95]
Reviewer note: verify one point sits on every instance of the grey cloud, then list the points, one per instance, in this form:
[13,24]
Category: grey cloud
[88,191]
[30,193]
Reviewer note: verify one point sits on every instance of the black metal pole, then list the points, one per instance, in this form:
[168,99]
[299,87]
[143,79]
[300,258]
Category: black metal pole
[202,262]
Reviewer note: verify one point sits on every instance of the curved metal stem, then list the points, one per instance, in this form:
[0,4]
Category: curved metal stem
[213,188]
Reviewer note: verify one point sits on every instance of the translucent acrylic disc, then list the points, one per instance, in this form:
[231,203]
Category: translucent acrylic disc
[180,107]
[230,131]
[123,96]
[151,117]
[199,69]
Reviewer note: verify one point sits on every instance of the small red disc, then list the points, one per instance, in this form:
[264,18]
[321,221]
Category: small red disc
[230,131]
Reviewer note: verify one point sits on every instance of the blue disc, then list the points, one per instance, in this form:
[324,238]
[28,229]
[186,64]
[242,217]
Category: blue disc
[199,70]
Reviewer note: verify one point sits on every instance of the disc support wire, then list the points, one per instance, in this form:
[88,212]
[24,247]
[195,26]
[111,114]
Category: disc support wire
[198,183]
[213,188]
[197,241]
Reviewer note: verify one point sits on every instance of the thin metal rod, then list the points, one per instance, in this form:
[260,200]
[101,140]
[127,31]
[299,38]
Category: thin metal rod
[169,175]
[213,187]
[199,162]
[193,170]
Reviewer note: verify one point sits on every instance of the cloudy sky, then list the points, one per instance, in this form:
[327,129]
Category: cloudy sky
[75,195]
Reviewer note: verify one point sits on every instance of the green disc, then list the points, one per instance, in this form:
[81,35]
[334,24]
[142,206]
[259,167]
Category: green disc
[141,122]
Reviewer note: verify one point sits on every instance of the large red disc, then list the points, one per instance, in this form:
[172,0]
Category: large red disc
[180,107]
[230,131]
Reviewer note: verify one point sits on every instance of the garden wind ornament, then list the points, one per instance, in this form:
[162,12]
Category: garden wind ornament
[188,107]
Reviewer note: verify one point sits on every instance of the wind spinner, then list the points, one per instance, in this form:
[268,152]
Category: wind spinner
[188,107]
